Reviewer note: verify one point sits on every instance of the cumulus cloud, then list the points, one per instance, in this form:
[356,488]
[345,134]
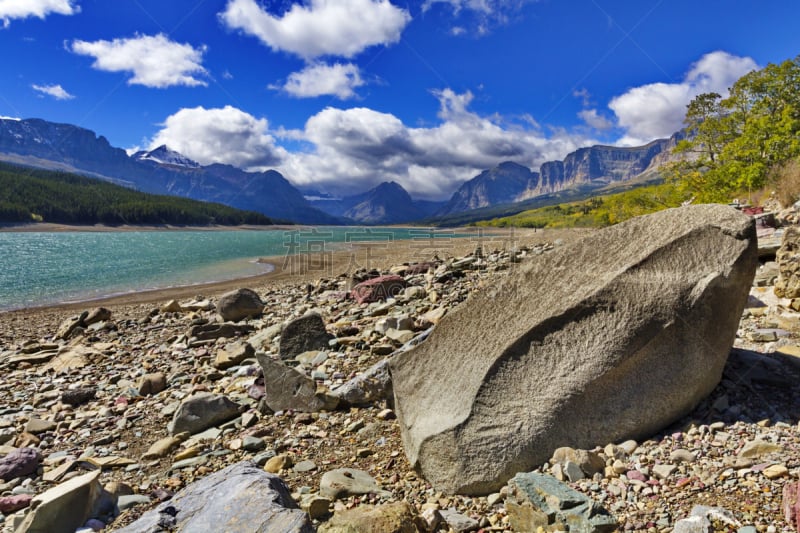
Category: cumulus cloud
[350,150]
[56,91]
[320,27]
[595,120]
[319,79]
[220,135]
[154,60]
[365,147]
[21,9]
[657,109]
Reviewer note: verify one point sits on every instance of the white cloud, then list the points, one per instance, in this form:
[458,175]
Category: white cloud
[320,79]
[368,147]
[15,119]
[320,27]
[595,120]
[154,61]
[21,9]
[350,150]
[483,14]
[220,135]
[657,110]
[56,91]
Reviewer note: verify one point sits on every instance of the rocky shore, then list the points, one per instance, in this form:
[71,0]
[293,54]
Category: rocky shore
[152,400]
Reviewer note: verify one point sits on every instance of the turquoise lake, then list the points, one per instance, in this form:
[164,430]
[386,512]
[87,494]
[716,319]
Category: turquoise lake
[47,268]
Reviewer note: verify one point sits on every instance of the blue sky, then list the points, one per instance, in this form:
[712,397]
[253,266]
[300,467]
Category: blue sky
[343,94]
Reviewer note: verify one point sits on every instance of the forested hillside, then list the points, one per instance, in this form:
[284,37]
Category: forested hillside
[29,195]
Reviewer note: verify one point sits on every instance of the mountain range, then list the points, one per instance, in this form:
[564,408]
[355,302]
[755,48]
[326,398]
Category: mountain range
[38,143]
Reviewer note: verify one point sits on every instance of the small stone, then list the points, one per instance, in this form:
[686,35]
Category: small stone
[776,471]
[161,447]
[239,304]
[233,354]
[253,444]
[150,384]
[11,504]
[305,466]
[573,471]
[277,463]
[681,455]
[127,502]
[662,471]
[458,522]
[345,482]
[20,462]
[758,448]
[37,425]
[76,397]
[316,506]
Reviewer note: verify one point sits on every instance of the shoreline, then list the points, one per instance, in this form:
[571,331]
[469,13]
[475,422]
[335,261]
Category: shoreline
[340,262]
[52,227]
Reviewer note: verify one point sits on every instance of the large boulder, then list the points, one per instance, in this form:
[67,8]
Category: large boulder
[238,499]
[610,338]
[236,305]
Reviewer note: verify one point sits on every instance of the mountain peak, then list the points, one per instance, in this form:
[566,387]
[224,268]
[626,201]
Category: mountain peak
[163,155]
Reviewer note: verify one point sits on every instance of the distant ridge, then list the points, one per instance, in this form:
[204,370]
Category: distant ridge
[48,145]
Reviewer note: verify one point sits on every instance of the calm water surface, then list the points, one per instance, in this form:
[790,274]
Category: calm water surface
[46,268]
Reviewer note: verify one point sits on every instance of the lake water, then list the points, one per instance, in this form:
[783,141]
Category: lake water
[47,268]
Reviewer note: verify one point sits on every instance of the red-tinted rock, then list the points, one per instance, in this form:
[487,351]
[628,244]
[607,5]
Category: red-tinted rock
[791,504]
[19,463]
[377,289]
[11,504]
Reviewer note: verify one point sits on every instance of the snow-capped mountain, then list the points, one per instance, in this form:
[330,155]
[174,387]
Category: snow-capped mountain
[163,155]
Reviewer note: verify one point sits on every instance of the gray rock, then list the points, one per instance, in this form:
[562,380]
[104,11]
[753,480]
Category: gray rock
[458,522]
[131,500]
[65,507]
[202,411]
[239,499]
[536,500]
[69,325]
[344,482]
[286,388]
[788,259]
[373,385]
[303,335]
[554,354]
[204,332]
[20,462]
[239,304]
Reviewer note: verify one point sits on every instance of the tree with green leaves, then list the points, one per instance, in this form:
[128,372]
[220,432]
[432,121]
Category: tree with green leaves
[735,142]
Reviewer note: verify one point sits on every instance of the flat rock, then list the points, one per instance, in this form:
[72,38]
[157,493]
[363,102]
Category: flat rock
[459,522]
[239,304]
[344,482]
[286,388]
[758,448]
[553,354]
[202,411]
[398,517]
[241,498]
[233,354]
[537,500]
[379,289]
[303,335]
[65,507]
